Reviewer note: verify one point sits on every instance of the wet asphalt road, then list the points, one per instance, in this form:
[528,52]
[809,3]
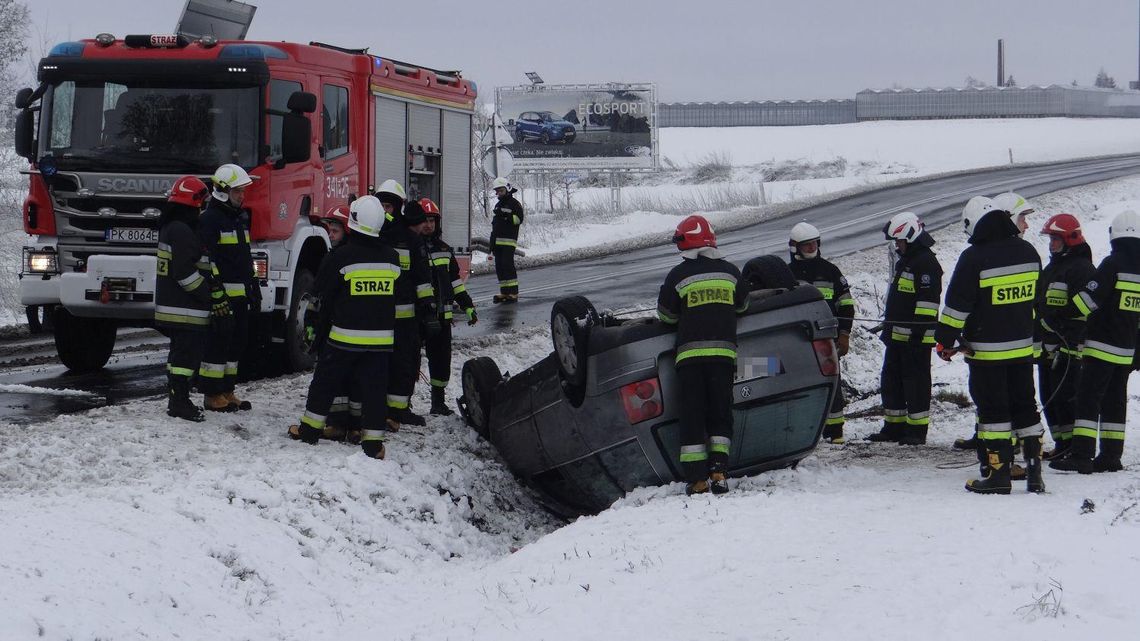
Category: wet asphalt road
[620,281]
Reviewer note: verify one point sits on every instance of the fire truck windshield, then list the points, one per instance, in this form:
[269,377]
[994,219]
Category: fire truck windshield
[148,128]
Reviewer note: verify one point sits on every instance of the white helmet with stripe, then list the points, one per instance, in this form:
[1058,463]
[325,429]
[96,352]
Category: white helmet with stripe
[500,182]
[1125,225]
[976,209]
[904,225]
[366,215]
[1013,204]
[392,187]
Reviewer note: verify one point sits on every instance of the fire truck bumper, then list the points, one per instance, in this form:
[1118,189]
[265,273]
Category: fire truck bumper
[112,287]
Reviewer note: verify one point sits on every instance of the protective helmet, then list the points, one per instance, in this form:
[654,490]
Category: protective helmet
[230,176]
[392,187]
[1066,227]
[500,182]
[1013,204]
[337,213]
[803,232]
[430,208]
[904,225]
[976,209]
[189,191]
[1125,225]
[693,233]
[366,215]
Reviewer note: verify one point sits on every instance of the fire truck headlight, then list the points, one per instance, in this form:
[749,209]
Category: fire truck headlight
[40,261]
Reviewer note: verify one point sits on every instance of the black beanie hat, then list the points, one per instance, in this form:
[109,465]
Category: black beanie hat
[413,213]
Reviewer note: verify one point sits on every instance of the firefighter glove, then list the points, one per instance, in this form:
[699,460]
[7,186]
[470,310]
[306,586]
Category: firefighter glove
[472,317]
[843,343]
[945,353]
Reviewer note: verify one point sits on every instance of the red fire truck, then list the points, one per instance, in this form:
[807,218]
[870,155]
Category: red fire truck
[115,121]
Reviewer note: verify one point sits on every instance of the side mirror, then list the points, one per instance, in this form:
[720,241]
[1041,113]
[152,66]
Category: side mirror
[24,98]
[303,102]
[25,134]
[296,137]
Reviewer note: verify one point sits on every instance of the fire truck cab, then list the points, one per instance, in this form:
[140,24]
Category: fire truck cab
[114,122]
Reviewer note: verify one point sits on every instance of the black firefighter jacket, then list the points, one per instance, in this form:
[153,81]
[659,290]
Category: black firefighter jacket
[505,224]
[1060,321]
[702,297]
[1111,299]
[182,293]
[357,287]
[989,301]
[912,300]
[226,238]
[826,277]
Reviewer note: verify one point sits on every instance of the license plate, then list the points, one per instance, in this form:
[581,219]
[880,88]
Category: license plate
[753,367]
[117,284]
[131,235]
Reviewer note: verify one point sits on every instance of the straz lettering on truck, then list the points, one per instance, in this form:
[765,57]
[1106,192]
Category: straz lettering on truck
[371,286]
[1014,293]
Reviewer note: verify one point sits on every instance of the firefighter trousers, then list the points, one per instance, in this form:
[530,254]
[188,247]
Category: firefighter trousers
[438,350]
[365,373]
[1006,402]
[705,411]
[1057,386]
[186,349]
[905,387]
[1102,406]
[505,269]
[833,426]
[404,365]
[225,346]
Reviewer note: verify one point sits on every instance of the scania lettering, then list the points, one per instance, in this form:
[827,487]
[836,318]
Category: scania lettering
[114,122]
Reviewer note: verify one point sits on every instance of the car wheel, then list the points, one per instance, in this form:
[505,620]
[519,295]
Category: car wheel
[768,272]
[520,135]
[570,322]
[545,137]
[479,378]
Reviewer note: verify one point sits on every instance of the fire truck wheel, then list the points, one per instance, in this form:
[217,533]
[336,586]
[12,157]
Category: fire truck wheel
[296,354]
[83,344]
[39,318]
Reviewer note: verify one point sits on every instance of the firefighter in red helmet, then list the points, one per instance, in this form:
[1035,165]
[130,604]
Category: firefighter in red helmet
[183,306]
[1061,326]
[450,290]
[702,297]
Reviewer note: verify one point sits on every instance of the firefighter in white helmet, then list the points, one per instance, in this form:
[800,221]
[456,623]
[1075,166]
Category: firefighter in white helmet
[224,231]
[811,268]
[988,316]
[908,332]
[356,285]
[1017,208]
[505,225]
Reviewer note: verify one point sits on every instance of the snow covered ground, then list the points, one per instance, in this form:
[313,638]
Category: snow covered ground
[120,523]
[723,172]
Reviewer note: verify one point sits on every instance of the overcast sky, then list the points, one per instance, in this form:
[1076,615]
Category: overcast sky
[704,50]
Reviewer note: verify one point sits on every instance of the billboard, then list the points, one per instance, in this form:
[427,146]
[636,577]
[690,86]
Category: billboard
[560,127]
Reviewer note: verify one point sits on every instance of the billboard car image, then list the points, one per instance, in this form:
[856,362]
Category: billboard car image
[580,126]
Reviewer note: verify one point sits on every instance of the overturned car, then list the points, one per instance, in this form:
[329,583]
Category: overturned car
[598,416]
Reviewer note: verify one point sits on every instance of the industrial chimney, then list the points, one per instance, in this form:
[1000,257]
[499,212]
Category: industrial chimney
[1001,63]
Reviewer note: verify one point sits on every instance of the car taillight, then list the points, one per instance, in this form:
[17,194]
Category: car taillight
[642,400]
[825,354]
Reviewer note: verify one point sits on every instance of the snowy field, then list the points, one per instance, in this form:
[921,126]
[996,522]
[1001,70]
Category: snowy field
[120,523]
[736,175]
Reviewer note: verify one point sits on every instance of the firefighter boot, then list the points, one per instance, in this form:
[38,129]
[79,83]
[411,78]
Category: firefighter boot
[373,448]
[1060,447]
[305,433]
[966,443]
[1031,450]
[834,434]
[178,403]
[999,456]
[696,487]
[439,403]
[718,480]
[983,458]
[913,435]
[890,433]
[406,416]
[237,402]
[1079,458]
[1109,458]
[218,403]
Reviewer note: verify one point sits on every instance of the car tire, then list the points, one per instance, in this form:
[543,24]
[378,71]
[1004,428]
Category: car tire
[520,136]
[479,378]
[83,344]
[39,318]
[545,137]
[769,272]
[571,320]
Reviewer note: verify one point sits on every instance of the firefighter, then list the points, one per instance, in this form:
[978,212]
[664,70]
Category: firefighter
[702,297]
[414,302]
[505,224]
[1017,207]
[223,232]
[335,223]
[356,285]
[811,268]
[908,332]
[183,305]
[1111,300]
[1061,325]
[343,422]
[449,289]
[989,305]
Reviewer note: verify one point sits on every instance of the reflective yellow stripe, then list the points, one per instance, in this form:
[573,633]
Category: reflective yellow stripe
[505,242]
[1092,352]
[906,285]
[951,321]
[1009,279]
[228,238]
[706,351]
[1006,354]
[179,371]
[926,311]
[1127,286]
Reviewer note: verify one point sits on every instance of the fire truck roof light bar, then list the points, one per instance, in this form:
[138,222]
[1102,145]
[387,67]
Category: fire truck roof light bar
[66,50]
[251,52]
